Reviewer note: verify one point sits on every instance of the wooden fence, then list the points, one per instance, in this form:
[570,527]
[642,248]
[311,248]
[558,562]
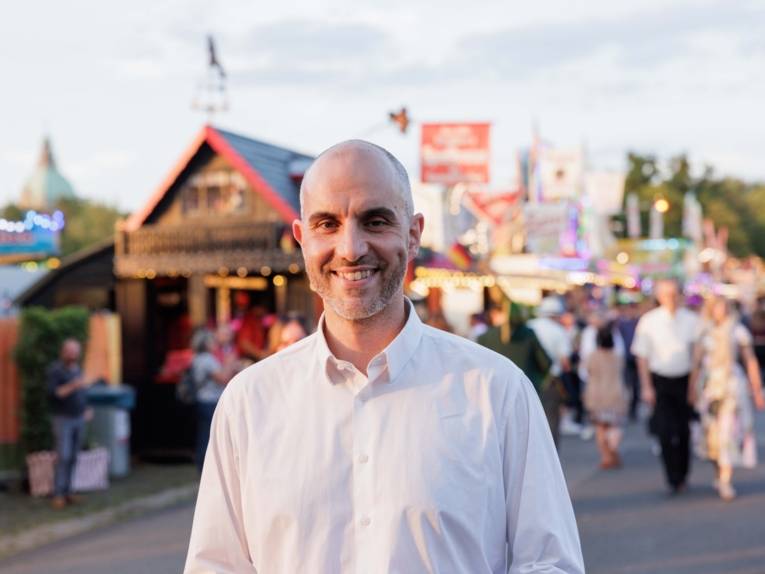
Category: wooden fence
[10,397]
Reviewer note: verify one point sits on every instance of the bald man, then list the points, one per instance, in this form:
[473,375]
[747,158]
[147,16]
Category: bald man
[663,346]
[378,444]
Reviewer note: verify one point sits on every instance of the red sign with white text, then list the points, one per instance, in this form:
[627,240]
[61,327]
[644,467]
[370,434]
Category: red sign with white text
[454,153]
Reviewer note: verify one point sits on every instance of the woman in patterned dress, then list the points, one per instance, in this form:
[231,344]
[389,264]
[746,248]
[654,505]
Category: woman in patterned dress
[724,393]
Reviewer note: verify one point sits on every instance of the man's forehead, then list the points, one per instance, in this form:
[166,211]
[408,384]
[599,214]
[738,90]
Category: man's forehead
[349,164]
[352,204]
[363,182]
[666,287]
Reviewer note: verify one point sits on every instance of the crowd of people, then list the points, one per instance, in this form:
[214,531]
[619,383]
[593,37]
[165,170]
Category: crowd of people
[690,362]
[592,365]
[220,353]
[693,363]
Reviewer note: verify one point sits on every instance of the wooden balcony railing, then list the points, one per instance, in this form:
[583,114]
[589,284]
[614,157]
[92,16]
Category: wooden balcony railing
[160,250]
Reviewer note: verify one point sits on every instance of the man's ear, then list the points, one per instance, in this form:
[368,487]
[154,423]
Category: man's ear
[416,226]
[297,231]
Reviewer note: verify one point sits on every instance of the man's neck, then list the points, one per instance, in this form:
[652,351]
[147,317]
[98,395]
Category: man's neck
[671,309]
[359,341]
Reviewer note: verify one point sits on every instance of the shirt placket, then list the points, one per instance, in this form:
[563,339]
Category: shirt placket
[366,520]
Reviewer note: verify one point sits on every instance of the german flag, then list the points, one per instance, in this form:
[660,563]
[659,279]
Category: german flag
[460,256]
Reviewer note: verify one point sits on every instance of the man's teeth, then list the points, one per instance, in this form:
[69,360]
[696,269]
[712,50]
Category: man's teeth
[356,275]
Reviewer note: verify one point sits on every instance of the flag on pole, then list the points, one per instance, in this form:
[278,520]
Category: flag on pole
[460,256]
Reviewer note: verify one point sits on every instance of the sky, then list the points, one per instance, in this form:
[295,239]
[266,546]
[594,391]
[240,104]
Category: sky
[112,83]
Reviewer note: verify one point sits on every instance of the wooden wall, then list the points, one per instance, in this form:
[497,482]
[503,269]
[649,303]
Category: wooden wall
[10,388]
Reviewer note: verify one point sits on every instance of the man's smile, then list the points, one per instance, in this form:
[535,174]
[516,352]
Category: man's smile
[355,276]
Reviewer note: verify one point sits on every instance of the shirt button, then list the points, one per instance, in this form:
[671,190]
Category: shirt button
[366,521]
[363,459]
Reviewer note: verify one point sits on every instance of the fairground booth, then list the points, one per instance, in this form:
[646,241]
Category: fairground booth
[212,244]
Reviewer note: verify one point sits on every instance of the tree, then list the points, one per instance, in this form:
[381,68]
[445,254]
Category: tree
[87,222]
[728,202]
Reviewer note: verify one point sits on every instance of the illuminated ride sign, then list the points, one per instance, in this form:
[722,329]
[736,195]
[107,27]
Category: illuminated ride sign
[36,235]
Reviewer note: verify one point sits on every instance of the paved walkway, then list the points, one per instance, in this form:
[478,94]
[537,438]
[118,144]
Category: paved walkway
[630,524]
[152,544]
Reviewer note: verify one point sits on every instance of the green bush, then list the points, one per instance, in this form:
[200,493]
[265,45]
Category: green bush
[40,337]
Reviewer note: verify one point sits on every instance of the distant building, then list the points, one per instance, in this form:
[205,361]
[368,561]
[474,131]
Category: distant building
[46,187]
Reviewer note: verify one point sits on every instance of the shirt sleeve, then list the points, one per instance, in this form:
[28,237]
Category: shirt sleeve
[641,344]
[742,336]
[218,543]
[542,534]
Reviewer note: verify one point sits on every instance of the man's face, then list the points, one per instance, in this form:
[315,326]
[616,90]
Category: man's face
[666,294]
[70,352]
[355,234]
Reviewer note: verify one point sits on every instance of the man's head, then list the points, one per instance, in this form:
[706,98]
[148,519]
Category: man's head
[667,293]
[357,228]
[70,351]
[551,307]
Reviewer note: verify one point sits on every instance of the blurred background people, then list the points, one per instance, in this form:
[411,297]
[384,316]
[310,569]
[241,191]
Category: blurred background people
[757,326]
[625,324]
[291,332]
[724,401]
[605,396]
[252,336]
[225,349]
[663,345]
[598,319]
[510,336]
[572,418]
[67,395]
[478,326]
[556,343]
[209,376]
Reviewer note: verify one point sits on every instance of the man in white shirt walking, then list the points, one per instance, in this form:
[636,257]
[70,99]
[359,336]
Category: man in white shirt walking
[663,346]
[378,444]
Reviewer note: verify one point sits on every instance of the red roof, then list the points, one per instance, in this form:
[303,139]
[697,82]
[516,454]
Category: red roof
[242,153]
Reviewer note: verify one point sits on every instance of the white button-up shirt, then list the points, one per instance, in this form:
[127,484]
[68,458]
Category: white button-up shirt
[440,460]
[666,340]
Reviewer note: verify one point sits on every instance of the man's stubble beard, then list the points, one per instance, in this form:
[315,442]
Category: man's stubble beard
[392,278]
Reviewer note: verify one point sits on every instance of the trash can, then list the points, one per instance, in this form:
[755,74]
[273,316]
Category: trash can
[111,423]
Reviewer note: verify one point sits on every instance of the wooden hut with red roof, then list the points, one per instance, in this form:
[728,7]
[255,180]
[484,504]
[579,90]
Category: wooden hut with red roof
[218,228]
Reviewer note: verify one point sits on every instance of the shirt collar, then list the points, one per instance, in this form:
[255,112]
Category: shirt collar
[389,362]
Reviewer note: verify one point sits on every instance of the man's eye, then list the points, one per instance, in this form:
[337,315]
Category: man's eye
[325,225]
[377,223]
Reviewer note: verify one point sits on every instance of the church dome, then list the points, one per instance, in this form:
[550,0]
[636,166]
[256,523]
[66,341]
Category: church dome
[46,187]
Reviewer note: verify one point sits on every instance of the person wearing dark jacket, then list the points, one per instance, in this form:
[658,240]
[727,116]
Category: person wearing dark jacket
[511,337]
[67,392]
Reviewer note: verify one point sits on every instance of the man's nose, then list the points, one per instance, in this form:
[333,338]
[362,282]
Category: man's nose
[352,243]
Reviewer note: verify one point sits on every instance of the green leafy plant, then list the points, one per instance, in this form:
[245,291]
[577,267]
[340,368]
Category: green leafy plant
[40,337]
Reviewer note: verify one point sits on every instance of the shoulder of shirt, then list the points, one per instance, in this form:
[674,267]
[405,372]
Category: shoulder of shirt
[689,314]
[453,347]
[649,315]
